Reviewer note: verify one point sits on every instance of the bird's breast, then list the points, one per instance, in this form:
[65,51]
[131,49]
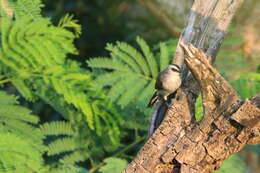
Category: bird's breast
[172,83]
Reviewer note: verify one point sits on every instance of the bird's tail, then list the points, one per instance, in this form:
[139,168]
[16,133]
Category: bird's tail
[152,100]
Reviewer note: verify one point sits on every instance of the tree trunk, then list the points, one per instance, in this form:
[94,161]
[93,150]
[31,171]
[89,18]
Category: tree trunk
[180,144]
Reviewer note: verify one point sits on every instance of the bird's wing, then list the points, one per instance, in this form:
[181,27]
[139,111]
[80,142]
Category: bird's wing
[152,100]
[158,83]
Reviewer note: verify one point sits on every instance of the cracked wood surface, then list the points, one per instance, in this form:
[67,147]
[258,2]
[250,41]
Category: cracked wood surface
[180,144]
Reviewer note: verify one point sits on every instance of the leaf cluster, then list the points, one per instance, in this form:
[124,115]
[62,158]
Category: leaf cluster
[34,59]
[130,74]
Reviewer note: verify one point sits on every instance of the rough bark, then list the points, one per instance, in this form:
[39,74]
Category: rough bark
[180,144]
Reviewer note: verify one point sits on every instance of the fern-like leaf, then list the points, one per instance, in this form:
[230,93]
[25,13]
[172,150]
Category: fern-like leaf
[61,145]
[19,121]
[21,142]
[57,128]
[35,53]
[148,56]
[30,8]
[17,155]
[72,158]
[68,21]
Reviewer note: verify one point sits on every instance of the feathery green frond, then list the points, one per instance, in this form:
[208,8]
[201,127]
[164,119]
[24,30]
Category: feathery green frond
[119,53]
[57,128]
[132,74]
[72,158]
[17,155]
[120,87]
[61,145]
[107,79]
[164,56]
[148,56]
[34,52]
[145,94]
[30,8]
[23,89]
[108,63]
[17,113]
[20,140]
[68,22]
[131,92]
[135,54]
[6,99]
[19,121]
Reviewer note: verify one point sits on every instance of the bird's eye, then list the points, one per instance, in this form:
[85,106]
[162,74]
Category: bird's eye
[175,69]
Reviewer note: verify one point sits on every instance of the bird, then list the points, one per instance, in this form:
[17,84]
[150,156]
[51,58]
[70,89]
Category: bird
[168,81]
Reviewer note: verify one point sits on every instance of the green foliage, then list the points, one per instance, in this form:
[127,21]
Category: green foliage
[65,142]
[132,73]
[17,155]
[247,85]
[57,128]
[33,57]
[19,121]
[30,8]
[113,165]
[20,141]
[233,164]
[68,22]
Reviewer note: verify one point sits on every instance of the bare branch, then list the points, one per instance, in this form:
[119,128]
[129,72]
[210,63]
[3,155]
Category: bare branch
[216,91]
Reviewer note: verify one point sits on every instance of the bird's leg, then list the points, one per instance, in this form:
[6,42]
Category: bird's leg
[165,99]
[168,99]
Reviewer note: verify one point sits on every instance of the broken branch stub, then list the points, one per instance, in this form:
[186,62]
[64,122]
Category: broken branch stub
[216,91]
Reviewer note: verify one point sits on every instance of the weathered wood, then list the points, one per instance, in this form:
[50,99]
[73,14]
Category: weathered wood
[178,136]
